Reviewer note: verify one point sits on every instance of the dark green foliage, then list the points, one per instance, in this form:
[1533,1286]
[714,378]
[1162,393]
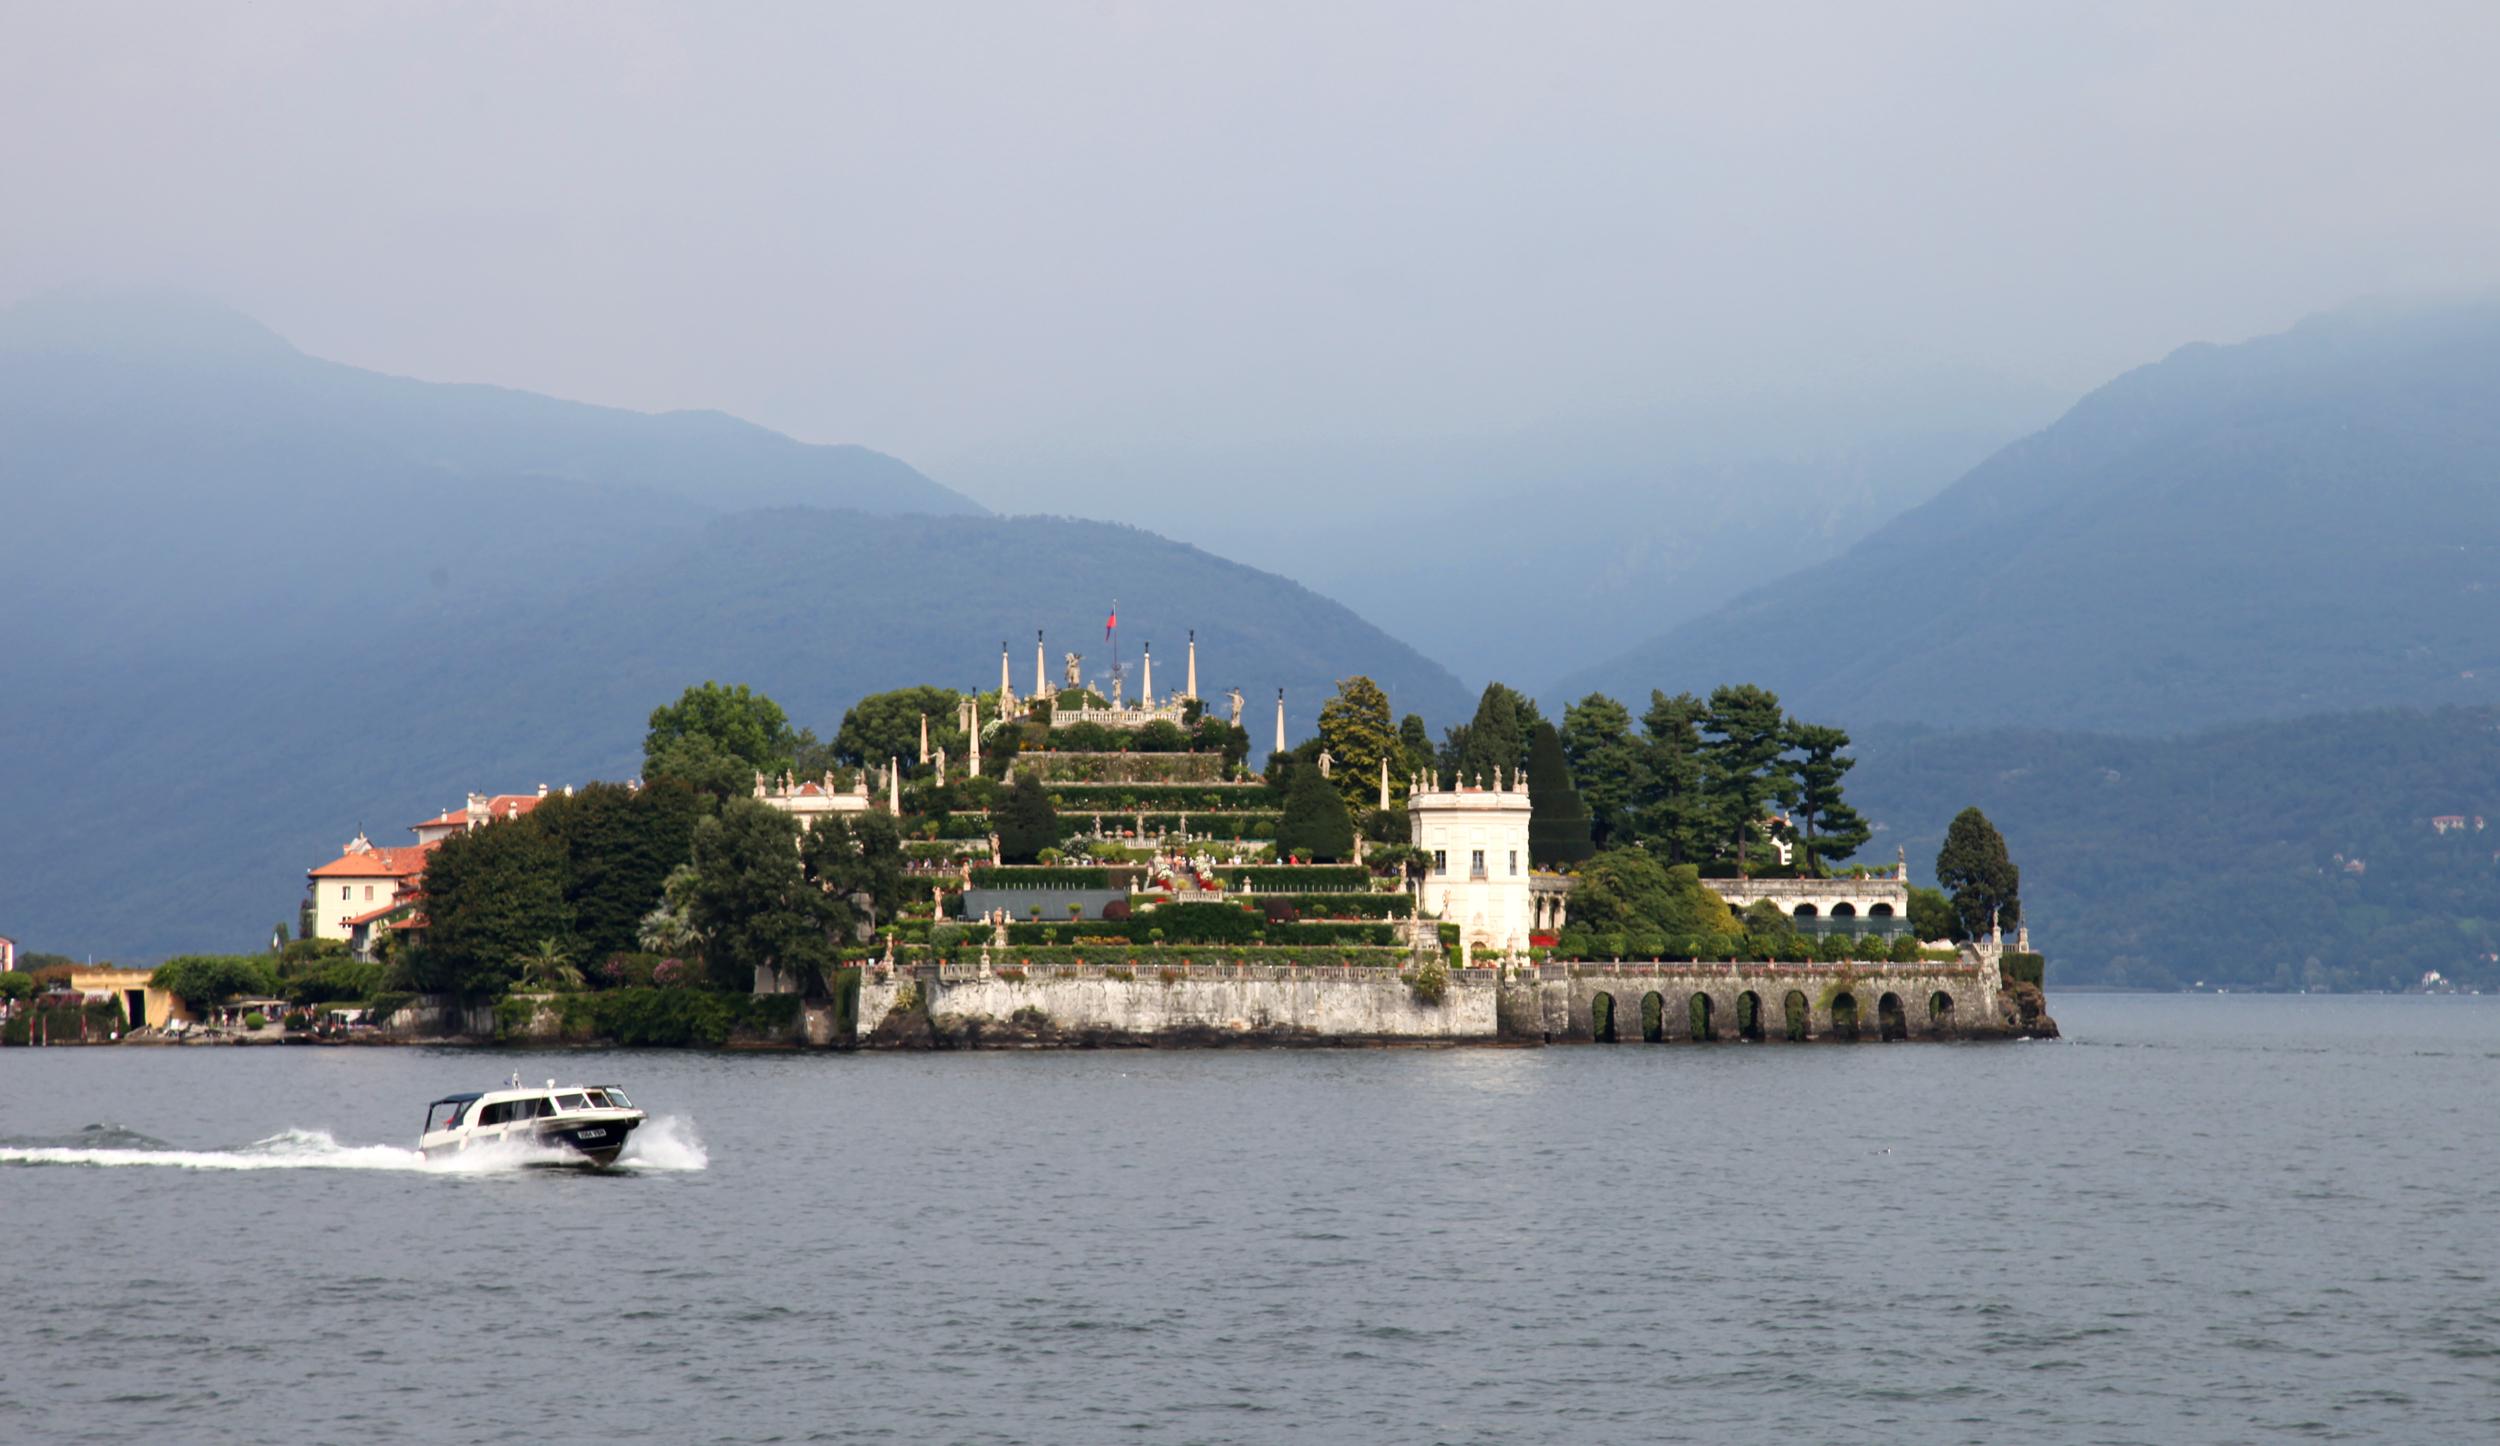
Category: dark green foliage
[1026,822]
[202,980]
[1387,825]
[1626,891]
[1673,813]
[749,899]
[332,981]
[2018,968]
[886,726]
[491,895]
[680,1018]
[1414,746]
[619,845]
[1931,913]
[1606,766]
[716,739]
[1985,884]
[1160,736]
[1354,727]
[1828,828]
[858,862]
[1558,824]
[1315,825]
[1744,735]
[1496,739]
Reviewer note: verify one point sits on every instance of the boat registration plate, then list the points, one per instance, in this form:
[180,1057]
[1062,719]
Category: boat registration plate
[594,1134]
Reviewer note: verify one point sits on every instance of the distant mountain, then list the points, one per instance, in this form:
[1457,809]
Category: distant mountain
[2349,851]
[2303,523]
[260,601]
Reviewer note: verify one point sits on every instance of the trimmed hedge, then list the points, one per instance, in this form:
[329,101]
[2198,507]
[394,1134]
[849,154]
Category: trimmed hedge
[1037,961]
[1343,906]
[1302,878]
[1040,876]
[681,1017]
[2023,968]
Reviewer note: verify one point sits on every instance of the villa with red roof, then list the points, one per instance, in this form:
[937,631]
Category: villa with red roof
[368,888]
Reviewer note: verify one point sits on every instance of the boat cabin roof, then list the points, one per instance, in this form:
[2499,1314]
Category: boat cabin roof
[524,1092]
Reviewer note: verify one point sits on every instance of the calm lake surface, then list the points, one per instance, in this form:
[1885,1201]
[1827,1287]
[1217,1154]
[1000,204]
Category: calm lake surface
[2195,1219]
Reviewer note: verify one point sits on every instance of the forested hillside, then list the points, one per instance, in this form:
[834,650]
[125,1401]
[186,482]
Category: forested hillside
[2288,855]
[2304,523]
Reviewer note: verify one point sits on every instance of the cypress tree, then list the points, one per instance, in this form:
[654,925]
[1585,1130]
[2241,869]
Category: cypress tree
[1975,869]
[1558,823]
[1316,824]
[1027,824]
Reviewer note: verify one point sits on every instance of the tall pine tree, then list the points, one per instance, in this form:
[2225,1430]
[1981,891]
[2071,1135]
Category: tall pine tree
[1829,829]
[1316,825]
[1975,869]
[1558,824]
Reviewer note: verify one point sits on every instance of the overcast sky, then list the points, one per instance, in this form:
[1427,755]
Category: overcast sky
[965,233]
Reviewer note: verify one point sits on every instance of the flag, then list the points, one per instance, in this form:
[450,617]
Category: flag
[1110,622]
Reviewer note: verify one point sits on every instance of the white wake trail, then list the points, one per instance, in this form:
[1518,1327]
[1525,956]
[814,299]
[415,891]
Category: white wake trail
[664,1145]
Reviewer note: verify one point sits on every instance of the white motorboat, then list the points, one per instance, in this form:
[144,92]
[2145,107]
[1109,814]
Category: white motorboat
[590,1121]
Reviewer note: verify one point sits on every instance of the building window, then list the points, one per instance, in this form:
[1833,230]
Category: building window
[1475,865]
[1514,863]
[1440,861]
[1514,868]
[342,893]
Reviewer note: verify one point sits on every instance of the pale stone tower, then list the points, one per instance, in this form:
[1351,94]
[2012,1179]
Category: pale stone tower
[1477,840]
[1191,691]
[1146,686]
[924,739]
[1006,684]
[1280,720]
[975,731]
[1041,675]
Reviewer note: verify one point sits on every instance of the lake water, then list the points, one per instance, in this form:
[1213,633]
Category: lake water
[2195,1219]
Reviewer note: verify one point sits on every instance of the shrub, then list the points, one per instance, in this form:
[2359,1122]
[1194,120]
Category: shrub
[1117,911]
[296,1021]
[1430,983]
[2017,968]
[255,1020]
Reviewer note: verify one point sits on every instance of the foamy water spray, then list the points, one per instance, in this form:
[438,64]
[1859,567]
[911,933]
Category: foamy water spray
[665,1145]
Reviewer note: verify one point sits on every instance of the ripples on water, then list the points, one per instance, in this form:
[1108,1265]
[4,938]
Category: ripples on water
[2194,1220]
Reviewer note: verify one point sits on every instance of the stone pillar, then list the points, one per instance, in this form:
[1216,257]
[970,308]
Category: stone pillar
[976,738]
[924,739]
[1006,685]
[1041,674]
[894,786]
[1146,684]
[1384,785]
[1280,720]
[1191,691]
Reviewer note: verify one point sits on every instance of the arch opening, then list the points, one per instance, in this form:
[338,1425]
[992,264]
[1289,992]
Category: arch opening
[1795,1005]
[1805,911]
[1602,1018]
[1699,1008]
[1749,1016]
[1844,1015]
[1890,1023]
[1939,1011]
[1880,911]
[1653,1017]
[1844,911]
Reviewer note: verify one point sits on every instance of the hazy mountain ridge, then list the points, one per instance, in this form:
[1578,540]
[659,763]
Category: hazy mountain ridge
[257,624]
[2298,524]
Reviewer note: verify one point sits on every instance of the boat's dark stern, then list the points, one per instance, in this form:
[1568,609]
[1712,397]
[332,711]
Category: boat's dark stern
[598,1142]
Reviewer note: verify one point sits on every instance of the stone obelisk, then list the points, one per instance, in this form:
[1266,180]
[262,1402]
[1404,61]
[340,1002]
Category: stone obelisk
[976,737]
[924,740]
[1384,784]
[1146,684]
[1041,675]
[1191,691]
[894,786]
[1280,720]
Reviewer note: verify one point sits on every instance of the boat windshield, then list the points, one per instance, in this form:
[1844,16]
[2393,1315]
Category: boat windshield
[617,1098]
[598,1099]
[572,1102]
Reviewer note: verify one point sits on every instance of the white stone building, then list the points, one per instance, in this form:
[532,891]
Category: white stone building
[1477,838]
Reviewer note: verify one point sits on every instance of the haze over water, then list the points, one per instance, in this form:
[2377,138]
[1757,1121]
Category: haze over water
[2195,1219]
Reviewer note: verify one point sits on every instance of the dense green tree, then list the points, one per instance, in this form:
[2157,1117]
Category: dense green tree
[1744,735]
[491,894]
[886,726]
[1354,727]
[1931,914]
[1214,735]
[1605,763]
[1558,823]
[858,862]
[549,966]
[1974,868]
[717,739]
[1315,825]
[203,980]
[619,845]
[1027,824]
[750,900]
[1497,737]
[1828,828]
[1624,890]
[1415,754]
[1673,815]
[1160,736]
